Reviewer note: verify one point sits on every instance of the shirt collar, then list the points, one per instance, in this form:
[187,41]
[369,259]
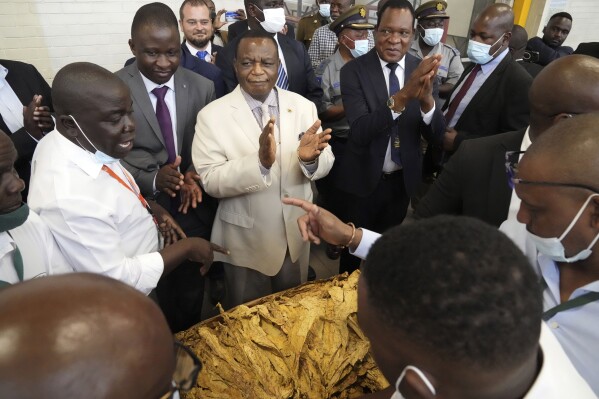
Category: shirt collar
[491,65]
[194,51]
[550,273]
[151,85]
[402,64]
[80,157]
[271,100]
[3,73]
[525,140]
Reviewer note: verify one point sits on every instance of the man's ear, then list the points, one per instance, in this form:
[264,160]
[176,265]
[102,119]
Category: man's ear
[595,213]
[251,10]
[180,27]
[557,118]
[131,46]
[506,39]
[67,125]
[544,29]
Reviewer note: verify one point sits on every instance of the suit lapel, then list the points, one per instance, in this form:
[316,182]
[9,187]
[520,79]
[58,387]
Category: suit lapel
[464,74]
[498,184]
[487,89]
[141,97]
[375,74]
[289,139]
[291,59]
[182,105]
[242,114]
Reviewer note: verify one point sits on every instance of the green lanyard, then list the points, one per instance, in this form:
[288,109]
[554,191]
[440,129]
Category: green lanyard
[17,261]
[569,304]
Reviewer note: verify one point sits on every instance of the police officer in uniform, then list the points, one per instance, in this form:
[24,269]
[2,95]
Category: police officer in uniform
[352,31]
[429,30]
[308,24]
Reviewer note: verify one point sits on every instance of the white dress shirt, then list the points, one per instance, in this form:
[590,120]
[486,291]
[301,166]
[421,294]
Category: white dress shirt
[557,379]
[11,108]
[481,77]
[100,226]
[388,164]
[194,51]
[41,256]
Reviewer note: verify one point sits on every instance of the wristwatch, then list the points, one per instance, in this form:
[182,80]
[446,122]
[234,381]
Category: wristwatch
[391,104]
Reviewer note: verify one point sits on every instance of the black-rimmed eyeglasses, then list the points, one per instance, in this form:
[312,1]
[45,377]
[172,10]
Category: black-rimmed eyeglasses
[512,159]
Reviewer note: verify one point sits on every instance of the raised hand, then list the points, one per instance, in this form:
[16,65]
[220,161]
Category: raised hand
[318,223]
[29,121]
[168,179]
[191,193]
[268,146]
[168,227]
[218,22]
[313,143]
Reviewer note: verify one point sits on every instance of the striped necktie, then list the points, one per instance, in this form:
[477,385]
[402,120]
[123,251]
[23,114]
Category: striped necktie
[282,80]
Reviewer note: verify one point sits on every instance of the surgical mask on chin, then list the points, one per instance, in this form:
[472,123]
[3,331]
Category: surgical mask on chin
[479,52]
[554,249]
[325,10]
[398,395]
[99,156]
[432,36]
[274,19]
[360,47]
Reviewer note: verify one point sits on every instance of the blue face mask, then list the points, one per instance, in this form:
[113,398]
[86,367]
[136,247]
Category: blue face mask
[479,52]
[360,47]
[99,156]
[553,248]
[325,10]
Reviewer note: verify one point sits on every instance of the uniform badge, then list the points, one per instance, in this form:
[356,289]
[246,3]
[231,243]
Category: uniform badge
[439,6]
[362,12]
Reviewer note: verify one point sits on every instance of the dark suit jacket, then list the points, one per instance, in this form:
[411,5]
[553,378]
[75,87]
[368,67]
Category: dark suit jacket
[500,105]
[591,48]
[474,181]
[532,68]
[204,68]
[192,93]
[240,27]
[200,67]
[26,82]
[365,95]
[299,69]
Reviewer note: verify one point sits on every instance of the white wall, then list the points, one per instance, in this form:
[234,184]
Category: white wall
[52,33]
[585,15]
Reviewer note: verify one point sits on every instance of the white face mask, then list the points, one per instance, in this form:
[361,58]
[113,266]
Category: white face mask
[325,10]
[554,249]
[99,156]
[360,47]
[397,394]
[432,36]
[274,19]
[479,52]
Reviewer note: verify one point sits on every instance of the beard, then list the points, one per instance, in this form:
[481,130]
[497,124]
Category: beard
[200,43]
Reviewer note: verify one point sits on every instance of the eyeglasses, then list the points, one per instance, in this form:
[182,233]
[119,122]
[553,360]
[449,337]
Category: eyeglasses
[512,159]
[187,368]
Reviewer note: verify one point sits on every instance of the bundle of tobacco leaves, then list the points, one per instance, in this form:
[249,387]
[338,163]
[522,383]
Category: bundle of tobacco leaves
[302,343]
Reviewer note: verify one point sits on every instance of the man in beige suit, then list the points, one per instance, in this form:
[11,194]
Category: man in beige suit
[253,147]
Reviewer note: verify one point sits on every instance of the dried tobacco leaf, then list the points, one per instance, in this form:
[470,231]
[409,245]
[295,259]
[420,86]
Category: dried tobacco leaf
[303,343]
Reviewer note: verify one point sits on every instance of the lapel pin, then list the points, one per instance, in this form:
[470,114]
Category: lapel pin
[288,109]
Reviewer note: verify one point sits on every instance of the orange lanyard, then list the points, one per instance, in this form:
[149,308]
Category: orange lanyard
[127,186]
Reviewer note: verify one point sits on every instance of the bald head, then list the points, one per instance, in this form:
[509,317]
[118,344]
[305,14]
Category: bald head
[498,15]
[567,86]
[518,41]
[76,83]
[575,142]
[82,336]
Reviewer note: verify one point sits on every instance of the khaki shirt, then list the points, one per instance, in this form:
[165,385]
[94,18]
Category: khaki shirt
[307,25]
[451,67]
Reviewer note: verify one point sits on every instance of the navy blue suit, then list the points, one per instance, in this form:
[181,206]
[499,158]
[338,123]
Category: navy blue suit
[375,200]
[299,68]
[365,94]
[26,81]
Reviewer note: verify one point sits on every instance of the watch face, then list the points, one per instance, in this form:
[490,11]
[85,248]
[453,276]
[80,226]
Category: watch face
[390,102]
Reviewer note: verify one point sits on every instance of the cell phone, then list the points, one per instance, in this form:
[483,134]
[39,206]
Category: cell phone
[530,56]
[231,16]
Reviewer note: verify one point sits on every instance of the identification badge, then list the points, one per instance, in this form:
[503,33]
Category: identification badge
[396,142]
